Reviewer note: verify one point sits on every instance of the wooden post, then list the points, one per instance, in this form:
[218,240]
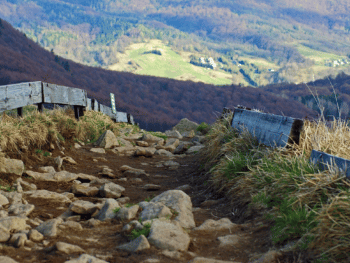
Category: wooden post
[20,112]
[40,107]
[81,111]
[76,112]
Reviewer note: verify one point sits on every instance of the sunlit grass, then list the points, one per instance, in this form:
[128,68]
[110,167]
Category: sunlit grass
[305,205]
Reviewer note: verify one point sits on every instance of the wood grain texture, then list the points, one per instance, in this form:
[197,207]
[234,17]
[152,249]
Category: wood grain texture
[121,117]
[19,95]
[324,159]
[271,130]
[64,95]
[88,104]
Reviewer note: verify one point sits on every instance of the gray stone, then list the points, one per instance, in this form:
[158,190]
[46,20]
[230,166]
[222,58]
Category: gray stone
[136,180]
[47,195]
[127,213]
[84,190]
[13,197]
[71,225]
[85,258]
[152,210]
[212,225]
[173,134]
[4,235]
[111,190]
[18,239]
[83,207]
[3,214]
[69,160]
[49,227]
[123,200]
[147,152]
[172,254]
[26,186]
[4,259]
[17,209]
[181,148]
[188,134]
[195,149]
[138,244]
[185,125]
[107,140]
[181,203]
[171,164]
[165,235]
[47,169]
[142,143]
[230,240]
[125,168]
[35,236]
[58,163]
[13,223]
[151,187]
[97,150]
[163,152]
[209,260]
[77,145]
[107,211]
[3,200]
[172,142]
[68,248]
[11,166]
[152,139]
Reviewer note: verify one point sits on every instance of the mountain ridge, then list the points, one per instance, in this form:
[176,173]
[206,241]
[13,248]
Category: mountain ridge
[158,103]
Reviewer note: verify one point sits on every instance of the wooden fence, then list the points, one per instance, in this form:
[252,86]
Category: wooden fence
[16,96]
[277,131]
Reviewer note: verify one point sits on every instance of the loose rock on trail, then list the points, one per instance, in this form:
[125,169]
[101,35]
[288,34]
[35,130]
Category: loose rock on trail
[127,201]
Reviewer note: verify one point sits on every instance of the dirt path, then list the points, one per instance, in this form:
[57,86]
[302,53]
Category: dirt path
[102,238]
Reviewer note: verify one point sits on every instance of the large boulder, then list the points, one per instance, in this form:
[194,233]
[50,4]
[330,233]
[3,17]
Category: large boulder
[11,166]
[107,140]
[173,134]
[47,195]
[137,244]
[49,227]
[152,139]
[153,210]
[185,125]
[165,235]
[83,207]
[181,203]
[107,211]
[13,223]
[111,190]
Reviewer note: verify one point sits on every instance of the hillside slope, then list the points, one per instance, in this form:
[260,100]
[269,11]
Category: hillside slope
[156,103]
[299,40]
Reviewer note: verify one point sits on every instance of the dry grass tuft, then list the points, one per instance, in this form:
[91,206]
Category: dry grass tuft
[35,129]
[308,206]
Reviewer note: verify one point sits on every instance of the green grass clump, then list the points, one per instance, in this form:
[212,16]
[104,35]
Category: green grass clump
[157,134]
[116,210]
[203,127]
[144,231]
[302,204]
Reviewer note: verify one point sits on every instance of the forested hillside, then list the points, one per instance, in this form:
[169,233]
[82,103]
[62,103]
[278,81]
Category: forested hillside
[257,41]
[156,103]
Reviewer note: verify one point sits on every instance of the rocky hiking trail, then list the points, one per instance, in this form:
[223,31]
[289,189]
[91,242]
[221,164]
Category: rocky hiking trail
[85,203]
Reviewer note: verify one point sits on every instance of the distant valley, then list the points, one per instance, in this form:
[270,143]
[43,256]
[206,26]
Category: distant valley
[252,43]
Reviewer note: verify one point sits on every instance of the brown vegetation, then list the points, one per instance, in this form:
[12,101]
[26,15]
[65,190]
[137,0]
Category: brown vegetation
[160,102]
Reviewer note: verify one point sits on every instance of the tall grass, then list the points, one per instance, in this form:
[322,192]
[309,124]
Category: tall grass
[305,205]
[36,129]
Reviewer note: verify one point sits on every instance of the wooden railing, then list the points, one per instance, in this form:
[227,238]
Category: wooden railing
[16,96]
